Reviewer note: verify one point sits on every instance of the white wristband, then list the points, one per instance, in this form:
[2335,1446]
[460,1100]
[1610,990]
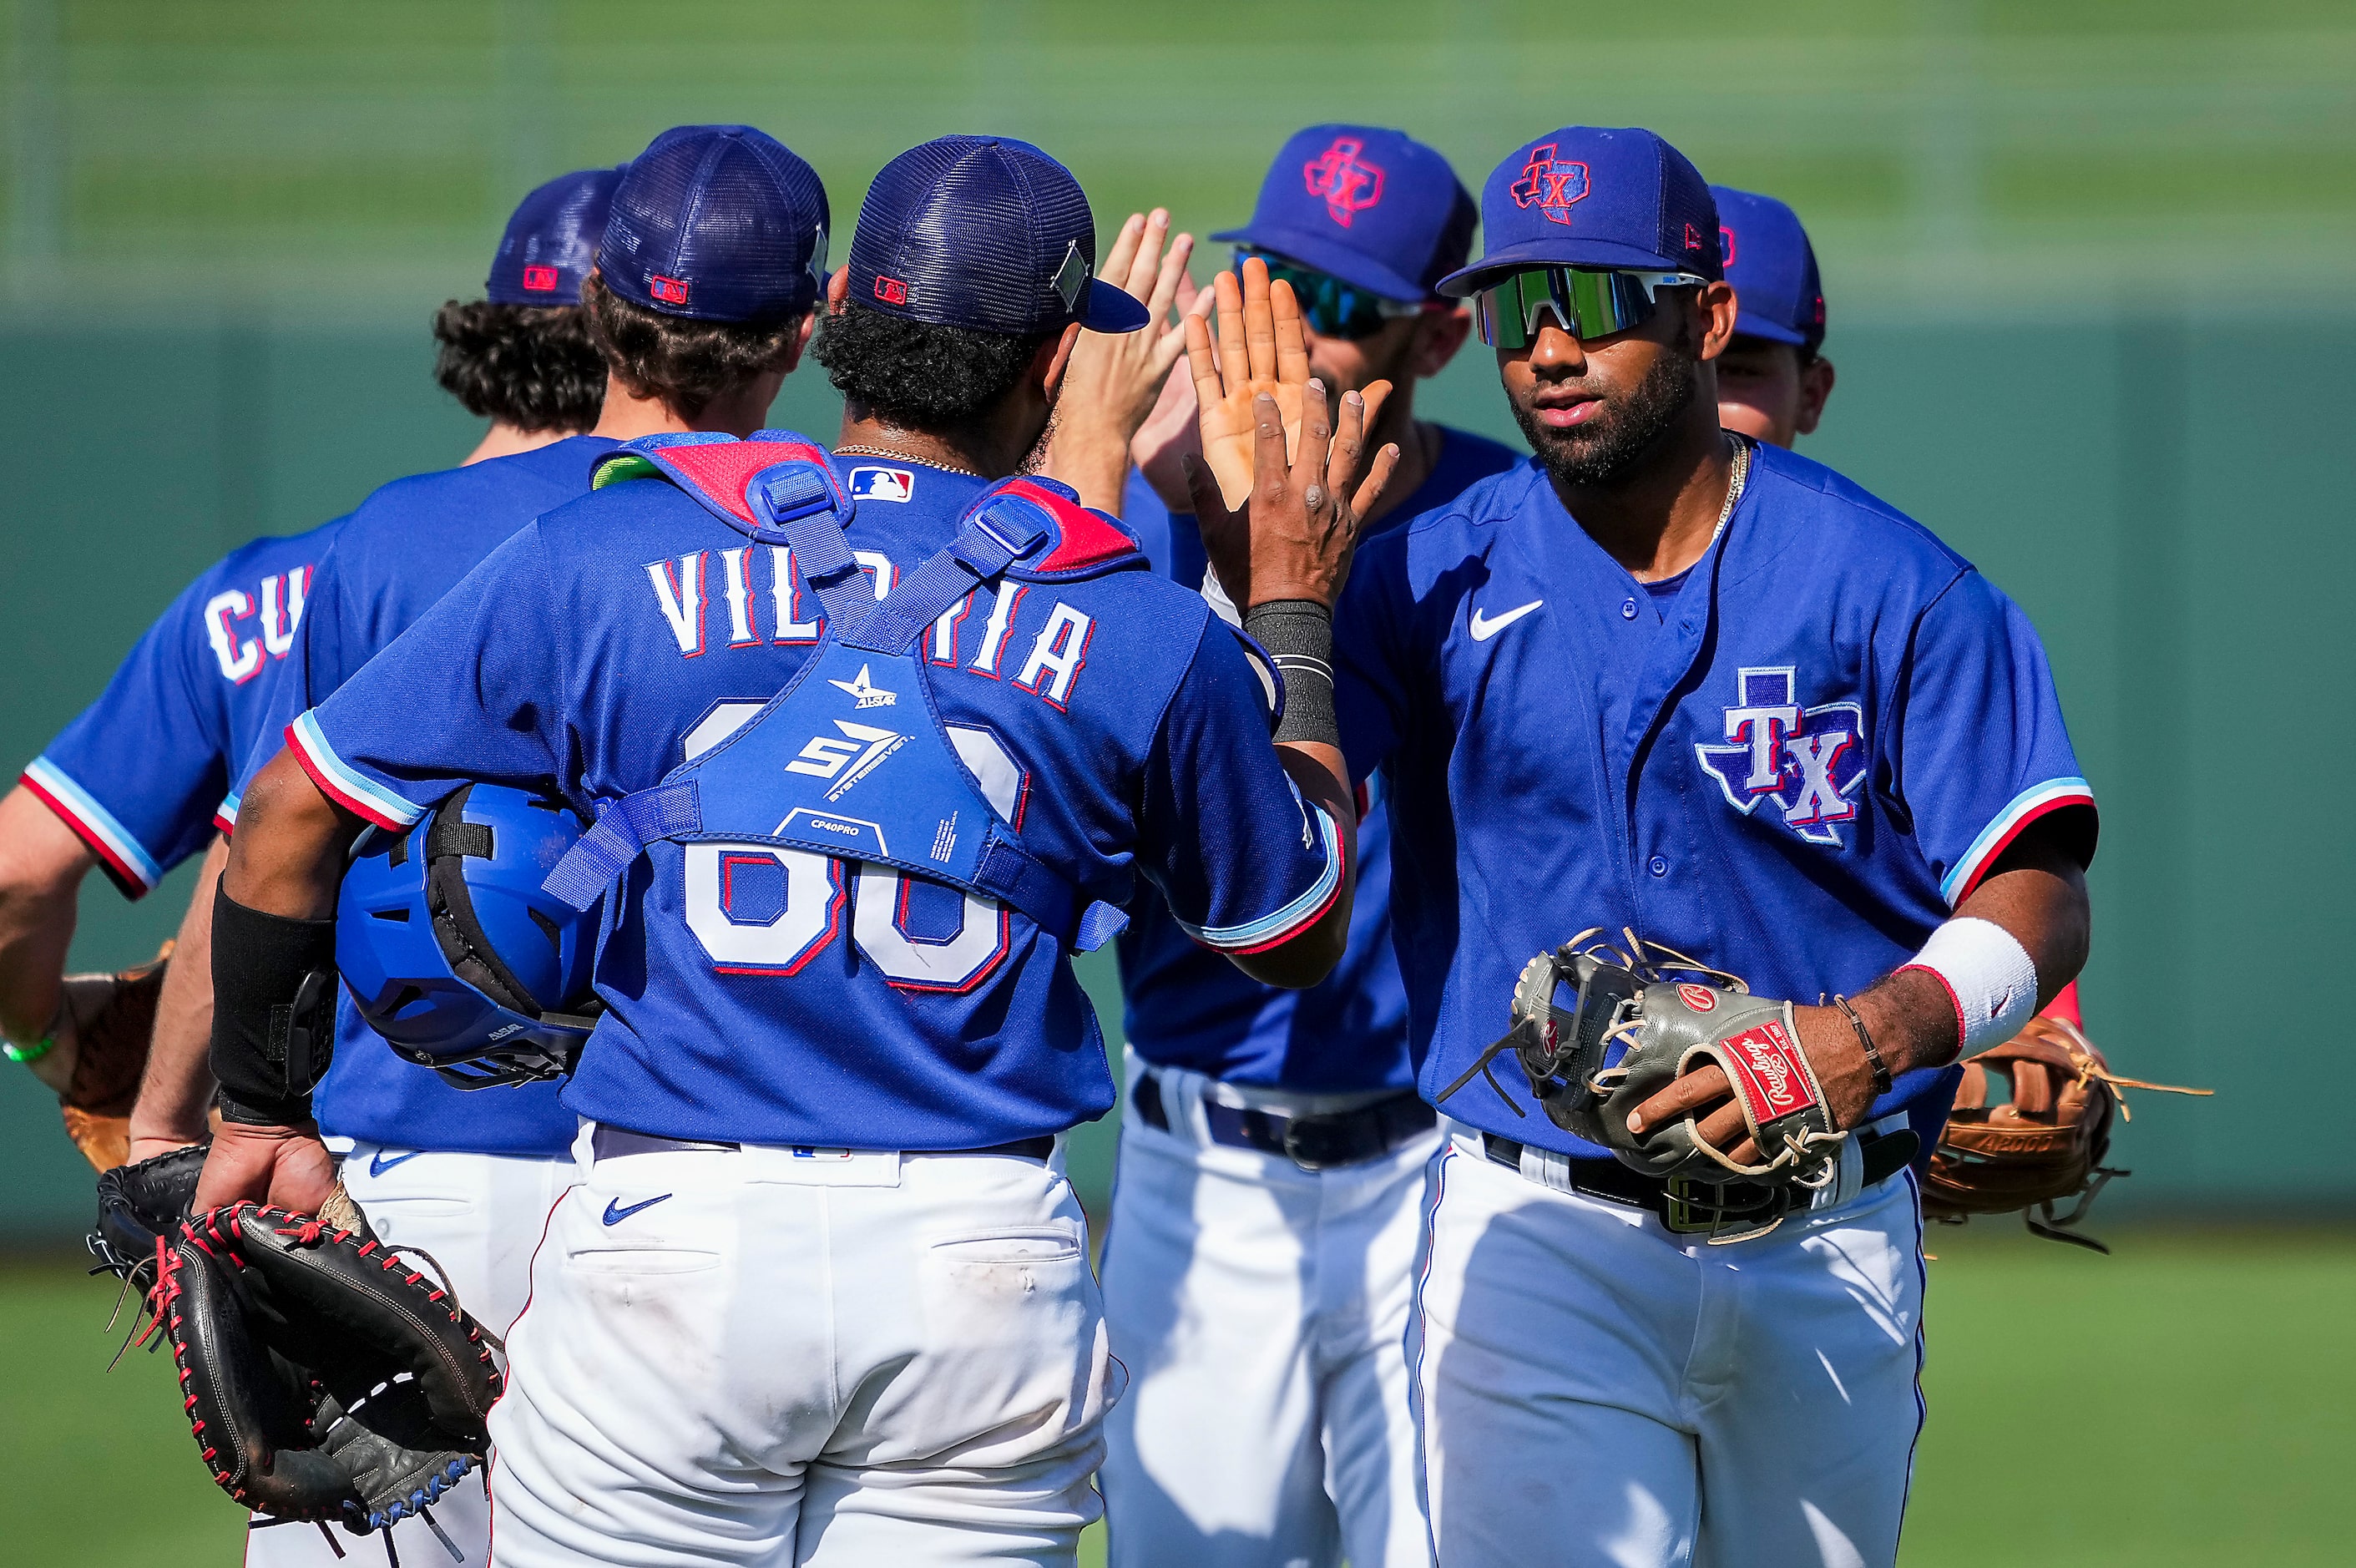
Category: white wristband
[1989,977]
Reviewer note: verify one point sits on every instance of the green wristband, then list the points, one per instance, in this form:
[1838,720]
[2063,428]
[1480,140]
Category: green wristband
[27,1054]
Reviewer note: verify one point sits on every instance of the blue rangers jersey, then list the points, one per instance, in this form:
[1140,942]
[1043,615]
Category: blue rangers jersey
[141,774]
[761,993]
[1794,768]
[404,547]
[1189,1008]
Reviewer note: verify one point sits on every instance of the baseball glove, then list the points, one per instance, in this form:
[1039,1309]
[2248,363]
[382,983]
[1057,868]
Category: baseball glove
[1645,1016]
[2045,1147]
[323,1379]
[113,1019]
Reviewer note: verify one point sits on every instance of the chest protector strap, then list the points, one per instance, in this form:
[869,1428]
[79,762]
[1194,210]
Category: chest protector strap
[851,760]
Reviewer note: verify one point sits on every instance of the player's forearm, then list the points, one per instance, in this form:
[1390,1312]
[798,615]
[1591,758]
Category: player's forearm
[42,864]
[2036,893]
[288,852]
[273,948]
[1311,954]
[177,1089]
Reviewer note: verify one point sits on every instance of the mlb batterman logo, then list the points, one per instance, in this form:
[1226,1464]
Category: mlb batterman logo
[1549,186]
[541,280]
[868,484]
[671,291]
[1349,184]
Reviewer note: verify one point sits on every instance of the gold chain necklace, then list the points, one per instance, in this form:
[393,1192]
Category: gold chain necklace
[904,457]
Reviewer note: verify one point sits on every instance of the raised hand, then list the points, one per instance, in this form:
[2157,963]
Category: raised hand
[1294,538]
[1171,433]
[1259,351]
[1114,378]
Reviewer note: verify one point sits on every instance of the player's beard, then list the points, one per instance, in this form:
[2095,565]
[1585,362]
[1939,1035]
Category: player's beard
[1036,458]
[1606,451]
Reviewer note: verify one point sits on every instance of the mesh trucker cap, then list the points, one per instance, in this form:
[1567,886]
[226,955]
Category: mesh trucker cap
[1374,208]
[551,240]
[1772,267]
[1582,197]
[717,223]
[986,232]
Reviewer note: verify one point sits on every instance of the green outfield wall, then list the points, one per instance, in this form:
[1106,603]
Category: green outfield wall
[2169,497]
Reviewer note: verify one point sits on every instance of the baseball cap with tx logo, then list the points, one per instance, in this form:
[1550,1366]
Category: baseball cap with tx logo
[1584,197]
[1373,207]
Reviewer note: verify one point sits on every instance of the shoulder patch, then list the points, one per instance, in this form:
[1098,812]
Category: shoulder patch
[1086,539]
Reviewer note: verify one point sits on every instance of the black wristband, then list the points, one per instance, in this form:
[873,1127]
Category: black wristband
[273,1012]
[1298,635]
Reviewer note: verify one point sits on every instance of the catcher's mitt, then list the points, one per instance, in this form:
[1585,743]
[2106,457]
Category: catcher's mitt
[1645,1016]
[325,1379]
[111,1018]
[2044,1148]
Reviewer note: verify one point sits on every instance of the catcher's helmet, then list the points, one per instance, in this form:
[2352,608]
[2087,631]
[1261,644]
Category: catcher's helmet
[453,954]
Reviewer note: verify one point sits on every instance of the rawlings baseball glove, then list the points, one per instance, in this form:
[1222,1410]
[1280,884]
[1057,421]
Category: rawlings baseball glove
[110,1019]
[1645,1016]
[2044,1147]
[325,1380]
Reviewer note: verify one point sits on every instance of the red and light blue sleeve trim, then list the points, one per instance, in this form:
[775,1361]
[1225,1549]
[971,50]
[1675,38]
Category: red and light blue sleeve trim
[2039,801]
[344,784]
[1276,929]
[225,814]
[130,866]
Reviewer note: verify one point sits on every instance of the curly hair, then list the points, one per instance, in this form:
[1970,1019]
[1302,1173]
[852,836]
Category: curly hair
[918,375]
[683,362]
[531,366]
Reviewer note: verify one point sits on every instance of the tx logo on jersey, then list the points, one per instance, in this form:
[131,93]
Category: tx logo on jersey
[1808,761]
[866,694]
[881,484]
[1549,186]
[855,754]
[1349,184]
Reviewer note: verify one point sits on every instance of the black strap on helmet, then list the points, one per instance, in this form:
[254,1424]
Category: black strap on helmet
[449,841]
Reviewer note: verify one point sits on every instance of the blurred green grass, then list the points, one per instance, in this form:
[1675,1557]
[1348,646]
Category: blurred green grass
[2188,1401]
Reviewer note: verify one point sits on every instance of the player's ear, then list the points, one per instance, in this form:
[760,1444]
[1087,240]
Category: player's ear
[1713,303]
[1816,390]
[1439,334]
[1048,364]
[801,344]
[837,289]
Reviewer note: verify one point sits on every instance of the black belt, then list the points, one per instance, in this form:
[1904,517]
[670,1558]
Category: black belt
[610,1142]
[1883,1154]
[1314,1142]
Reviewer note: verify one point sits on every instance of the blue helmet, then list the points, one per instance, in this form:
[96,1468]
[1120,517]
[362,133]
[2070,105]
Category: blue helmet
[453,954]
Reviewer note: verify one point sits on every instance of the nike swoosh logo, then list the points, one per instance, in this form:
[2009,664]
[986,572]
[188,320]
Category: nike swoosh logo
[1484,626]
[615,1213]
[379,1164]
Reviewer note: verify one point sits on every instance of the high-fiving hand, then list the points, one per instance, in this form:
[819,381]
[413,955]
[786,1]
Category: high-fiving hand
[1277,489]
[1114,378]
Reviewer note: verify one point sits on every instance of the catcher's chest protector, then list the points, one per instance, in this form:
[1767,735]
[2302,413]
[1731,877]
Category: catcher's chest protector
[809,771]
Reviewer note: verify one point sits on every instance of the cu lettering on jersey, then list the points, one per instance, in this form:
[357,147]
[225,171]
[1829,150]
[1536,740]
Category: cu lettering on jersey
[1808,762]
[245,630]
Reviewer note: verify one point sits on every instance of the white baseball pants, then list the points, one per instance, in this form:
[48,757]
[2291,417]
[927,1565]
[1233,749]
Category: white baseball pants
[826,1358]
[1261,1311]
[479,1216]
[1594,1389]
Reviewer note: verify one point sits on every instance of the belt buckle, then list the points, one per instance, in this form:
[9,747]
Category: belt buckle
[1684,1214]
[1299,1131]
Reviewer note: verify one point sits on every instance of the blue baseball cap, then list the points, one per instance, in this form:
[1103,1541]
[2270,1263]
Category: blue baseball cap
[1374,208]
[551,240]
[986,232]
[1582,197]
[717,223]
[1772,267]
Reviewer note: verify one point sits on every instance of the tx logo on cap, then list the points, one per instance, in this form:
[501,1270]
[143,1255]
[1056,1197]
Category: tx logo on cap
[540,280]
[1348,184]
[671,291]
[1549,186]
